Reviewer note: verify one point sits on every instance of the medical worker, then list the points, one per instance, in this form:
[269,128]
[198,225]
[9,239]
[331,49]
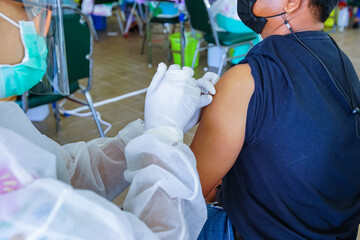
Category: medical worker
[283,132]
[37,201]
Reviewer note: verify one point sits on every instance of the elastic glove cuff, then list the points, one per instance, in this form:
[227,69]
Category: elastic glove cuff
[167,134]
[132,130]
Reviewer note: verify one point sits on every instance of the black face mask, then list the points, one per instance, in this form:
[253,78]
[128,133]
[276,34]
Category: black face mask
[244,9]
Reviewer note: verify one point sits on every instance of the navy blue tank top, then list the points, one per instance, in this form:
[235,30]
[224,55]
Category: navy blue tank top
[298,173]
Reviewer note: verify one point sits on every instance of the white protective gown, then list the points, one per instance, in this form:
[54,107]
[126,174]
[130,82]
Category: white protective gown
[164,201]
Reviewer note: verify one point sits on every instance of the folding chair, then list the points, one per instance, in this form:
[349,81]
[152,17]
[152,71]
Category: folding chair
[79,41]
[165,22]
[201,19]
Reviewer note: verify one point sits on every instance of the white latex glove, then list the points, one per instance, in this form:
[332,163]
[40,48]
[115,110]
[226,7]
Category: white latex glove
[206,84]
[171,101]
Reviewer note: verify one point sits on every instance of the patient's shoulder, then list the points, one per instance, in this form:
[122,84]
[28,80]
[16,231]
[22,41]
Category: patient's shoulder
[237,80]
[221,132]
[230,103]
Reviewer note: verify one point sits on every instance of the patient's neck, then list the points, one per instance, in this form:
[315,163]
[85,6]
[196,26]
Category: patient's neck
[299,22]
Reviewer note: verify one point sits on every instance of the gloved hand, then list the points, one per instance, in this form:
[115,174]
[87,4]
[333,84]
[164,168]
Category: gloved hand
[171,101]
[206,84]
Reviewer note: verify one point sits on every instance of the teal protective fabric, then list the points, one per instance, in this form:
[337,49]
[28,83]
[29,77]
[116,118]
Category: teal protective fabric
[16,79]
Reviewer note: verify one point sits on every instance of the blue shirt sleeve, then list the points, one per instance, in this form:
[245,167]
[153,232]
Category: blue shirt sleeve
[267,101]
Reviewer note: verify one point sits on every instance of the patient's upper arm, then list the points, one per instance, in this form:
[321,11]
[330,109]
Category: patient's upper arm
[221,132]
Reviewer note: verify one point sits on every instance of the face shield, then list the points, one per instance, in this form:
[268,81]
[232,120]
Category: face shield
[48,21]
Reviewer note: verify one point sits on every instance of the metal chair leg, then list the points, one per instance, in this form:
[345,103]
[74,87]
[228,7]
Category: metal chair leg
[167,42]
[196,54]
[129,20]
[24,101]
[120,22]
[139,23]
[168,49]
[143,43]
[182,42]
[93,111]
[149,44]
[223,59]
[92,29]
[56,116]
[141,12]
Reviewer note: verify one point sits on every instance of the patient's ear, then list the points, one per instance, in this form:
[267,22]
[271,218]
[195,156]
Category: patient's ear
[292,6]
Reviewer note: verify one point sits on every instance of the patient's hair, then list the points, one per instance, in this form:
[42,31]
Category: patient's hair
[322,8]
